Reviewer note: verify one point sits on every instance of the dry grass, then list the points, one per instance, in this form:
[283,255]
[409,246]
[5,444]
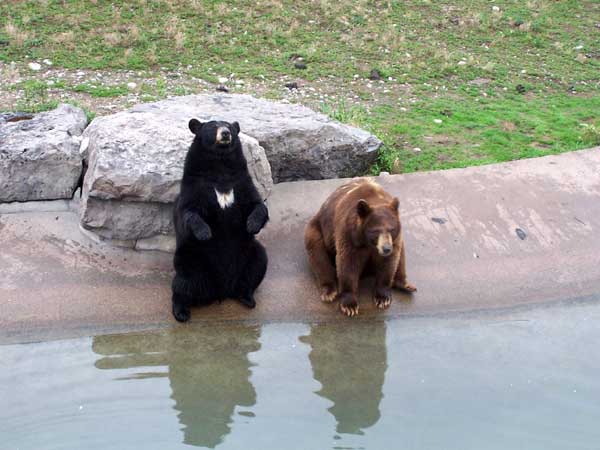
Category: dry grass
[15,34]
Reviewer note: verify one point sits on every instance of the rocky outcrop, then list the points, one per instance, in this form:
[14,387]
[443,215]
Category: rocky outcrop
[133,160]
[39,154]
[135,163]
[300,143]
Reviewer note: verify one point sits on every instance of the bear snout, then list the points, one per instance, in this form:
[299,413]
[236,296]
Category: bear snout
[385,244]
[386,250]
[223,135]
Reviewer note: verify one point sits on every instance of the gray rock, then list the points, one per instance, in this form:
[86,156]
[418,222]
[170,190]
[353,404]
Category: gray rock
[39,156]
[135,164]
[300,143]
[135,158]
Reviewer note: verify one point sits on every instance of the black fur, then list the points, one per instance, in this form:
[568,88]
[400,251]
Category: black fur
[217,255]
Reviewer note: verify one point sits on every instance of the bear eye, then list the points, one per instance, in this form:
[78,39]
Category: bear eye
[372,234]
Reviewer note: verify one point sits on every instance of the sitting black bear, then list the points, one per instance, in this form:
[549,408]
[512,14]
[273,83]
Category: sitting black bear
[217,214]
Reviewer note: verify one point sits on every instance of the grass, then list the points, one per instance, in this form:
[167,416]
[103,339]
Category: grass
[508,79]
[443,133]
[35,97]
[101,91]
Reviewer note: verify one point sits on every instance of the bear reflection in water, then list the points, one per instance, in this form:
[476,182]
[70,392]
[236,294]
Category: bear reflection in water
[350,364]
[208,373]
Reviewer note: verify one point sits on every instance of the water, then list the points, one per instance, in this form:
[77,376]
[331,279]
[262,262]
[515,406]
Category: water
[528,380]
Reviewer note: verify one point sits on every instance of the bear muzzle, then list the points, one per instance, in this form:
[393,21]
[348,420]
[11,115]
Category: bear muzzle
[385,244]
[223,136]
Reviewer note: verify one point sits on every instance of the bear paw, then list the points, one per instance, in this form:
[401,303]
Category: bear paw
[328,294]
[181,313]
[349,306]
[406,286]
[248,301]
[203,233]
[382,298]
[254,225]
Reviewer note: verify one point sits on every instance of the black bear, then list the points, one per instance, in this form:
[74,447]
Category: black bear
[217,214]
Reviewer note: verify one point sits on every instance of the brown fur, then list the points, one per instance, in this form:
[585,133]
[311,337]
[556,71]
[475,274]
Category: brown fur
[347,238]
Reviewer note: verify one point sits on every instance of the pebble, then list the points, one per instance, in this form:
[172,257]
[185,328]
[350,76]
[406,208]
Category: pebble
[131,85]
[47,62]
[496,8]
[462,63]
[35,66]
[223,80]
[375,75]
[416,149]
[438,121]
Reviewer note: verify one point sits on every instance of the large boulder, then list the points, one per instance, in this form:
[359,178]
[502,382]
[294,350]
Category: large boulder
[39,154]
[135,158]
[300,143]
[135,164]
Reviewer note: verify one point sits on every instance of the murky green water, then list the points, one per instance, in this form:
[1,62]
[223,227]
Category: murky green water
[526,381]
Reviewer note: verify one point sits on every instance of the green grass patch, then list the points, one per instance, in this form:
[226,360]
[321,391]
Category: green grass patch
[35,97]
[101,91]
[415,40]
[445,133]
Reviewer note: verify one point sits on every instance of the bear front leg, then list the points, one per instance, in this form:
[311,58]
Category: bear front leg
[384,277]
[196,224]
[349,269]
[257,218]
[400,281]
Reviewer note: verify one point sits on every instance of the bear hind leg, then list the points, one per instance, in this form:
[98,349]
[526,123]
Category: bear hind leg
[400,281]
[191,290]
[252,275]
[181,307]
[320,262]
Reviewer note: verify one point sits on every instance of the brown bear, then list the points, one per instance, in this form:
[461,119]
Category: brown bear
[357,232]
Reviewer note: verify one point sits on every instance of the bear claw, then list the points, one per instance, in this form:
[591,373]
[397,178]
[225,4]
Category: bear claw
[349,307]
[382,302]
[382,298]
[349,311]
[328,295]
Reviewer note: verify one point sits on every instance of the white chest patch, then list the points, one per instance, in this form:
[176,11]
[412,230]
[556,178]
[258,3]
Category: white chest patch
[225,199]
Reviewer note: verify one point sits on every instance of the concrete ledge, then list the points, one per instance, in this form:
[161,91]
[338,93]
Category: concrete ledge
[484,238]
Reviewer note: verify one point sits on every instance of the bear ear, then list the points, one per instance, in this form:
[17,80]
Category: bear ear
[195,126]
[236,126]
[395,204]
[362,208]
